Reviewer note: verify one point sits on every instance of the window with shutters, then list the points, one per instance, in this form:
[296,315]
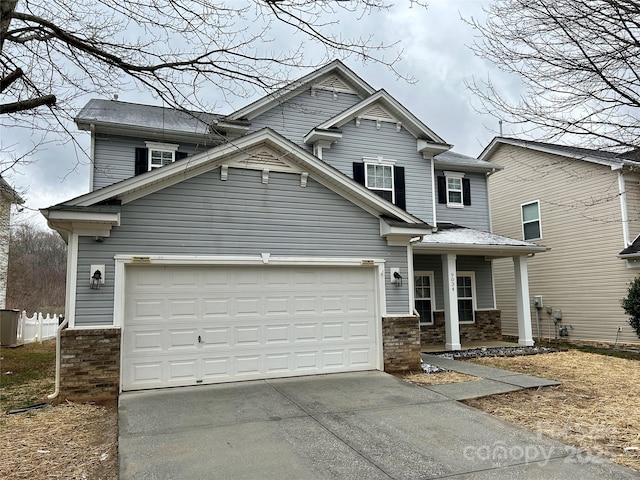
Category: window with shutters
[379,178]
[383,177]
[454,190]
[161,154]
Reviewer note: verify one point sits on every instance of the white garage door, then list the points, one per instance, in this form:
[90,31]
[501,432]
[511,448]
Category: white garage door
[186,325]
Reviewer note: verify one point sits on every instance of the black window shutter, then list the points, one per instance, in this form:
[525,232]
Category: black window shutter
[466,191]
[442,189]
[181,155]
[142,161]
[358,172]
[399,188]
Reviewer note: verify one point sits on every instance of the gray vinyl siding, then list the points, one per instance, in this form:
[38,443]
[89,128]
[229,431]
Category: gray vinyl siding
[366,140]
[241,216]
[114,157]
[297,116]
[481,267]
[475,215]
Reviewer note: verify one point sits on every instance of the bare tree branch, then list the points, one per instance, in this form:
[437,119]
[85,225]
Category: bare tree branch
[180,52]
[579,64]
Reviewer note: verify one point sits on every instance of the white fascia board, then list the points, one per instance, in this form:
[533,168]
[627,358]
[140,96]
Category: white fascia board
[317,135]
[82,217]
[409,121]
[142,259]
[430,149]
[386,229]
[486,250]
[265,103]
[147,132]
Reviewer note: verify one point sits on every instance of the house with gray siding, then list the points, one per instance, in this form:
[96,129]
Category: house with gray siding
[323,228]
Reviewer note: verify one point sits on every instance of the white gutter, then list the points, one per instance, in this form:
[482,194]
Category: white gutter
[57,390]
[622,193]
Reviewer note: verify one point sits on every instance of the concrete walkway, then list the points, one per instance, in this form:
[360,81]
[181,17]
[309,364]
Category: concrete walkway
[492,380]
[361,425]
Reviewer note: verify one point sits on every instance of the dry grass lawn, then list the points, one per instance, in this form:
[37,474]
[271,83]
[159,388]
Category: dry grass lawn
[66,441]
[597,407]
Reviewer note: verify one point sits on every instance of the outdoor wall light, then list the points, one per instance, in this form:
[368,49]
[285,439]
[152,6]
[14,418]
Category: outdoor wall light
[96,277]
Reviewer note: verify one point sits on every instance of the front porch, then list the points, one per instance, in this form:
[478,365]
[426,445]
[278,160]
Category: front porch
[453,292]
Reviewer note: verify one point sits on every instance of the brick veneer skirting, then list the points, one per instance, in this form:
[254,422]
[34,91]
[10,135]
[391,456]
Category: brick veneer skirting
[90,364]
[401,343]
[487,327]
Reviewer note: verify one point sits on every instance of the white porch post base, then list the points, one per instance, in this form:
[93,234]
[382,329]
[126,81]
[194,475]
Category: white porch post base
[451,319]
[525,332]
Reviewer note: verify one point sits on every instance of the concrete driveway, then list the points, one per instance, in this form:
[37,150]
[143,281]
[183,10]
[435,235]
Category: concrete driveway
[366,425]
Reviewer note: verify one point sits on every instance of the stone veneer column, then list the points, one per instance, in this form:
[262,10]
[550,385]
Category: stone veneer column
[5,217]
[90,364]
[401,343]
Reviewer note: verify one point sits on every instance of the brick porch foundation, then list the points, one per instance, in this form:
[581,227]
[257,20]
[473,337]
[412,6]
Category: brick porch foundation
[487,327]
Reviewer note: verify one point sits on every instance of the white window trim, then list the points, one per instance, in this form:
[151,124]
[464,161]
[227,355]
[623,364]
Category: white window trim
[379,161]
[474,305]
[429,274]
[458,175]
[160,147]
[539,220]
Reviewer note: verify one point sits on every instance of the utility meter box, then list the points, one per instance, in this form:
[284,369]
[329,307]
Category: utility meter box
[537,301]
[557,314]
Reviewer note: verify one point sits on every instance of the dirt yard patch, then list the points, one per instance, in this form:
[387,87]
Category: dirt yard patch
[65,441]
[595,409]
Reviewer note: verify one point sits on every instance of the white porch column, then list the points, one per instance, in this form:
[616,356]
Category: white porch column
[451,319]
[525,335]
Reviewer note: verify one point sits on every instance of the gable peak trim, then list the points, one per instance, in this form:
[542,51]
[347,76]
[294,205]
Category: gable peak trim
[333,83]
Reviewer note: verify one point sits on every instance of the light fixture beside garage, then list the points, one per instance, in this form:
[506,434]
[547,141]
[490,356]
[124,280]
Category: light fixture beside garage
[96,277]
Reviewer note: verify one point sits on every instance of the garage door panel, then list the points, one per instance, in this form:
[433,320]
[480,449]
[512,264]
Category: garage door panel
[252,323]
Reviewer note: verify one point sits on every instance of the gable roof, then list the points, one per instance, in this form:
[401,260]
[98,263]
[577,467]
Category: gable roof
[8,193]
[242,151]
[334,76]
[389,106]
[613,160]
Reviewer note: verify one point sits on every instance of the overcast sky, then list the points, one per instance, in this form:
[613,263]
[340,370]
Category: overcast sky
[435,53]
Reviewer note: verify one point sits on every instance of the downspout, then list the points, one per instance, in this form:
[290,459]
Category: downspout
[622,193]
[58,356]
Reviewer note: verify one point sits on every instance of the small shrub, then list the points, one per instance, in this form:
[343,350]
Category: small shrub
[631,305]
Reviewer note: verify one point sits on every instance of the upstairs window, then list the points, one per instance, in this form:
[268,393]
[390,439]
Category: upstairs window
[156,155]
[380,179]
[454,190]
[531,227]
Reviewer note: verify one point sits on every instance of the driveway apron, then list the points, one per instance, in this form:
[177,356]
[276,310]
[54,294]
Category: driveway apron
[366,425]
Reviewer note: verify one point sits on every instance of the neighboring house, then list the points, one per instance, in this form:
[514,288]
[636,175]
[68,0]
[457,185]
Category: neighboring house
[8,197]
[585,205]
[298,235]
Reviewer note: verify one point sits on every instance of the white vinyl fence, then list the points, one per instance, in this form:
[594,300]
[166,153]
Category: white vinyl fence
[36,328]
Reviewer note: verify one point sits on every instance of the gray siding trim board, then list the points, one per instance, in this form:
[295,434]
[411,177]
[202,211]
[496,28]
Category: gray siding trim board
[240,216]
